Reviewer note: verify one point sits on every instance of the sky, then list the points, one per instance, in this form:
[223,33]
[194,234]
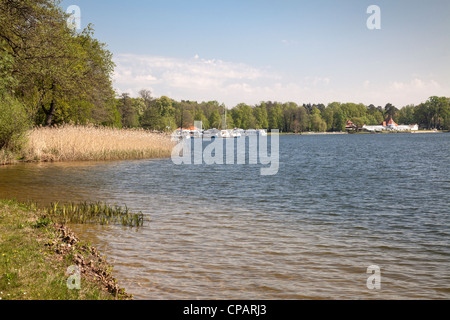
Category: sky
[248,51]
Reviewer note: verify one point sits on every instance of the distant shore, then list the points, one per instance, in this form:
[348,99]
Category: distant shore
[361,132]
[88,143]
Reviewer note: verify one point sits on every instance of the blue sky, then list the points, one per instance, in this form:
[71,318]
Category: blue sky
[250,51]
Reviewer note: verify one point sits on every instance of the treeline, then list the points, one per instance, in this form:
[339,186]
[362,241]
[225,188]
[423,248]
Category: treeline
[167,114]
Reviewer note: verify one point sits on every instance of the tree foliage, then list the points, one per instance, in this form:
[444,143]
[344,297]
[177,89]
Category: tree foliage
[165,114]
[59,75]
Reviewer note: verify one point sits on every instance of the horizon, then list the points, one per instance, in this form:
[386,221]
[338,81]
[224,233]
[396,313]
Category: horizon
[288,51]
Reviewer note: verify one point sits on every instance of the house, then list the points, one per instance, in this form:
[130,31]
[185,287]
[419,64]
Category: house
[350,126]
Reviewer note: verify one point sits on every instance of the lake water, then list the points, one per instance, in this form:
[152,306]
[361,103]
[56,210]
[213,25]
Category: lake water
[339,204]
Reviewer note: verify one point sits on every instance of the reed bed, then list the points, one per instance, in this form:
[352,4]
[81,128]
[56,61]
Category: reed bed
[89,143]
[98,212]
[6,157]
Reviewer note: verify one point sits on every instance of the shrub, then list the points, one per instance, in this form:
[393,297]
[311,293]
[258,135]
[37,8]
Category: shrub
[14,123]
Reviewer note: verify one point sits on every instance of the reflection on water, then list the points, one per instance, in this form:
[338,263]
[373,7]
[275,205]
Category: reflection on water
[338,205]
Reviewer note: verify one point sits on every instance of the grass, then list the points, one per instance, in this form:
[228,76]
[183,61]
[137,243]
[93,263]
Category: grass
[90,143]
[98,212]
[35,255]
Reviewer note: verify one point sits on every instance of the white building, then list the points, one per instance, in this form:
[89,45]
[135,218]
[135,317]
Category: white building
[391,126]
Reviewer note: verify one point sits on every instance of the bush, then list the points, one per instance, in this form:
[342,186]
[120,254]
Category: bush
[14,123]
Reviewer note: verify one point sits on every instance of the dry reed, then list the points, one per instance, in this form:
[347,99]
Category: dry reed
[89,143]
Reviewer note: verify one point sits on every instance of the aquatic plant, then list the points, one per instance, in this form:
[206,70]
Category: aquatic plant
[90,143]
[97,212]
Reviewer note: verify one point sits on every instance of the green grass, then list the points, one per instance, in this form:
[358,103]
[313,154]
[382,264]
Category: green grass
[98,212]
[31,266]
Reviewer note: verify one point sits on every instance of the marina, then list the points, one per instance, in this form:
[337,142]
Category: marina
[194,132]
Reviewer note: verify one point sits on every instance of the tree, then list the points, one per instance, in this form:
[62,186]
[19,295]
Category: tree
[406,115]
[275,115]
[390,112]
[127,111]
[56,68]
[215,121]
[247,119]
[165,106]
[374,115]
[358,122]
[199,116]
[300,123]
[146,95]
[339,120]
[317,124]
[260,115]
[151,118]
[423,115]
[439,110]
[328,117]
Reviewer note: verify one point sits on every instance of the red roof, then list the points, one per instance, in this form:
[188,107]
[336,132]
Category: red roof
[392,122]
[191,128]
[349,124]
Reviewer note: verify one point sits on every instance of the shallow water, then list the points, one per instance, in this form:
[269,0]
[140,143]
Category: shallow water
[339,204]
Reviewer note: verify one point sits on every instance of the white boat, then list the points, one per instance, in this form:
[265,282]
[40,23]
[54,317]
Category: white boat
[212,133]
[251,132]
[196,134]
[262,132]
[235,133]
[181,134]
[224,134]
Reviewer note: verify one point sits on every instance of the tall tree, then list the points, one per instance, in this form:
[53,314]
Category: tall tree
[260,114]
[390,111]
[275,116]
[215,121]
[317,124]
[55,67]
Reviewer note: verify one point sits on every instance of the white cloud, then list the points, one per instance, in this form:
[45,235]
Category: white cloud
[202,79]
[414,85]
[196,77]
[414,91]
[211,79]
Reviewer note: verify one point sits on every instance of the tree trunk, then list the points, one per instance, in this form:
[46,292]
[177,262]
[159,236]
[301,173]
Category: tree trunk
[50,113]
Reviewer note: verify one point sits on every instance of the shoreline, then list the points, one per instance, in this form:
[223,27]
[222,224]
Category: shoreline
[87,143]
[36,255]
[361,132]
[146,145]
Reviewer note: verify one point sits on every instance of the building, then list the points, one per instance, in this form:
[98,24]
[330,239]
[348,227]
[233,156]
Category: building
[350,126]
[391,126]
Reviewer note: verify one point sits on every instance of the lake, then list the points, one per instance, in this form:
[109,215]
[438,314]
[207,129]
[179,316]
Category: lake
[339,204]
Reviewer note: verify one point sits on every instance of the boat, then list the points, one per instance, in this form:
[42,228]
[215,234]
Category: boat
[196,134]
[251,132]
[262,132]
[212,133]
[181,134]
[224,134]
[235,133]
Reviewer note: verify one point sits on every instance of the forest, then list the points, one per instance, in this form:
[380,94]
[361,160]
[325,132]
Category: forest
[166,114]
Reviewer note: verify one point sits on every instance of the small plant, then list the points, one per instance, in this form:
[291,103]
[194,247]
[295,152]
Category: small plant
[42,222]
[97,212]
